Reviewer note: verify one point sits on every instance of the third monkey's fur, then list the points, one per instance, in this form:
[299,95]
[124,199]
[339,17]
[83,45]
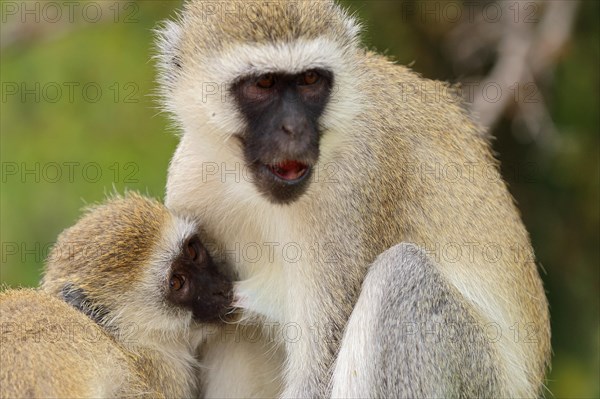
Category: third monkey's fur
[102,325]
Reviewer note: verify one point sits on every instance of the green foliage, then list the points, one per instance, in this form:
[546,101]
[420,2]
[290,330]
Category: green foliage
[69,143]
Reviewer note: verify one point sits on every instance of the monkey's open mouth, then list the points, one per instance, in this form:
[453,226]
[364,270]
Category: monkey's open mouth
[289,170]
[283,182]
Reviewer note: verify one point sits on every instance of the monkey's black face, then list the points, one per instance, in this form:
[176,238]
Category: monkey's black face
[281,144]
[195,283]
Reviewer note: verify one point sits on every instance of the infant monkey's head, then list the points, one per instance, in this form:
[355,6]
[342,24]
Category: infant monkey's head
[131,264]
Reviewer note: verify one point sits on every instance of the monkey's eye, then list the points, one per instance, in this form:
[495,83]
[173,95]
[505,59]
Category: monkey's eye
[309,78]
[176,282]
[194,248]
[266,81]
[192,251]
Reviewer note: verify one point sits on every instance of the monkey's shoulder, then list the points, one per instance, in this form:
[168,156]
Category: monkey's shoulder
[36,317]
[38,304]
[421,107]
[55,350]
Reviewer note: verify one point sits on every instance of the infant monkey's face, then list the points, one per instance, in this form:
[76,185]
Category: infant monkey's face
[195,283]
[130,260]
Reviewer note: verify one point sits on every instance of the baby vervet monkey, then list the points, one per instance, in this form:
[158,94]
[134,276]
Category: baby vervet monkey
[128,296]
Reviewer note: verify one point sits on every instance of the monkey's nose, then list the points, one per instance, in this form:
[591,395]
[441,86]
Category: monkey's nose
[288,129]
[219,293]
[294,127]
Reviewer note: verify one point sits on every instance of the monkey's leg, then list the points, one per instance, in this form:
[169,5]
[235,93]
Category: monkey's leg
[412,335]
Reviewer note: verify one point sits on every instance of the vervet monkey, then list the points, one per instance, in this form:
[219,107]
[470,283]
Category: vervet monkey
[128,295]
[295,135]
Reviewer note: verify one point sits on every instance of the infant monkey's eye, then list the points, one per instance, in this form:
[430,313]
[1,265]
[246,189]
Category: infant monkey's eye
[309,78]
[194,248]
[176,282]
[266,81]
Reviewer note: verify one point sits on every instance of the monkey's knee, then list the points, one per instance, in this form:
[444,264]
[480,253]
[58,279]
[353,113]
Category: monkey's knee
[392,264]
[420,337]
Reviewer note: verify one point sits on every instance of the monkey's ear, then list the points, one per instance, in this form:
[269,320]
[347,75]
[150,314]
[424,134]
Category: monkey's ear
[167,46]
[353,25]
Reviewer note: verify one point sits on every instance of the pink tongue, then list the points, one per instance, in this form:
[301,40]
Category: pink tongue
[289,170]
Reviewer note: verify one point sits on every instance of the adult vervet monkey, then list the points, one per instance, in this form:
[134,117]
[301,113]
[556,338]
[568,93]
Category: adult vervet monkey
[293,133]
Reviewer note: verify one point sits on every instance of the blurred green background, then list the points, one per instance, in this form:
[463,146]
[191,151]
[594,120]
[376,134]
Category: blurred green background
[78,120]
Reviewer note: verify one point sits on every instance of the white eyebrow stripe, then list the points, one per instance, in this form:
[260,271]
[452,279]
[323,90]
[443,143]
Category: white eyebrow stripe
[295,57]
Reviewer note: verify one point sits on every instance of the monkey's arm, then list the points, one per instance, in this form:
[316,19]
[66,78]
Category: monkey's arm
[412,335]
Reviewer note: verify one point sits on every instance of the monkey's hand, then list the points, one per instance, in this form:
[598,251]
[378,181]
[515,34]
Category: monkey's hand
[249,296]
